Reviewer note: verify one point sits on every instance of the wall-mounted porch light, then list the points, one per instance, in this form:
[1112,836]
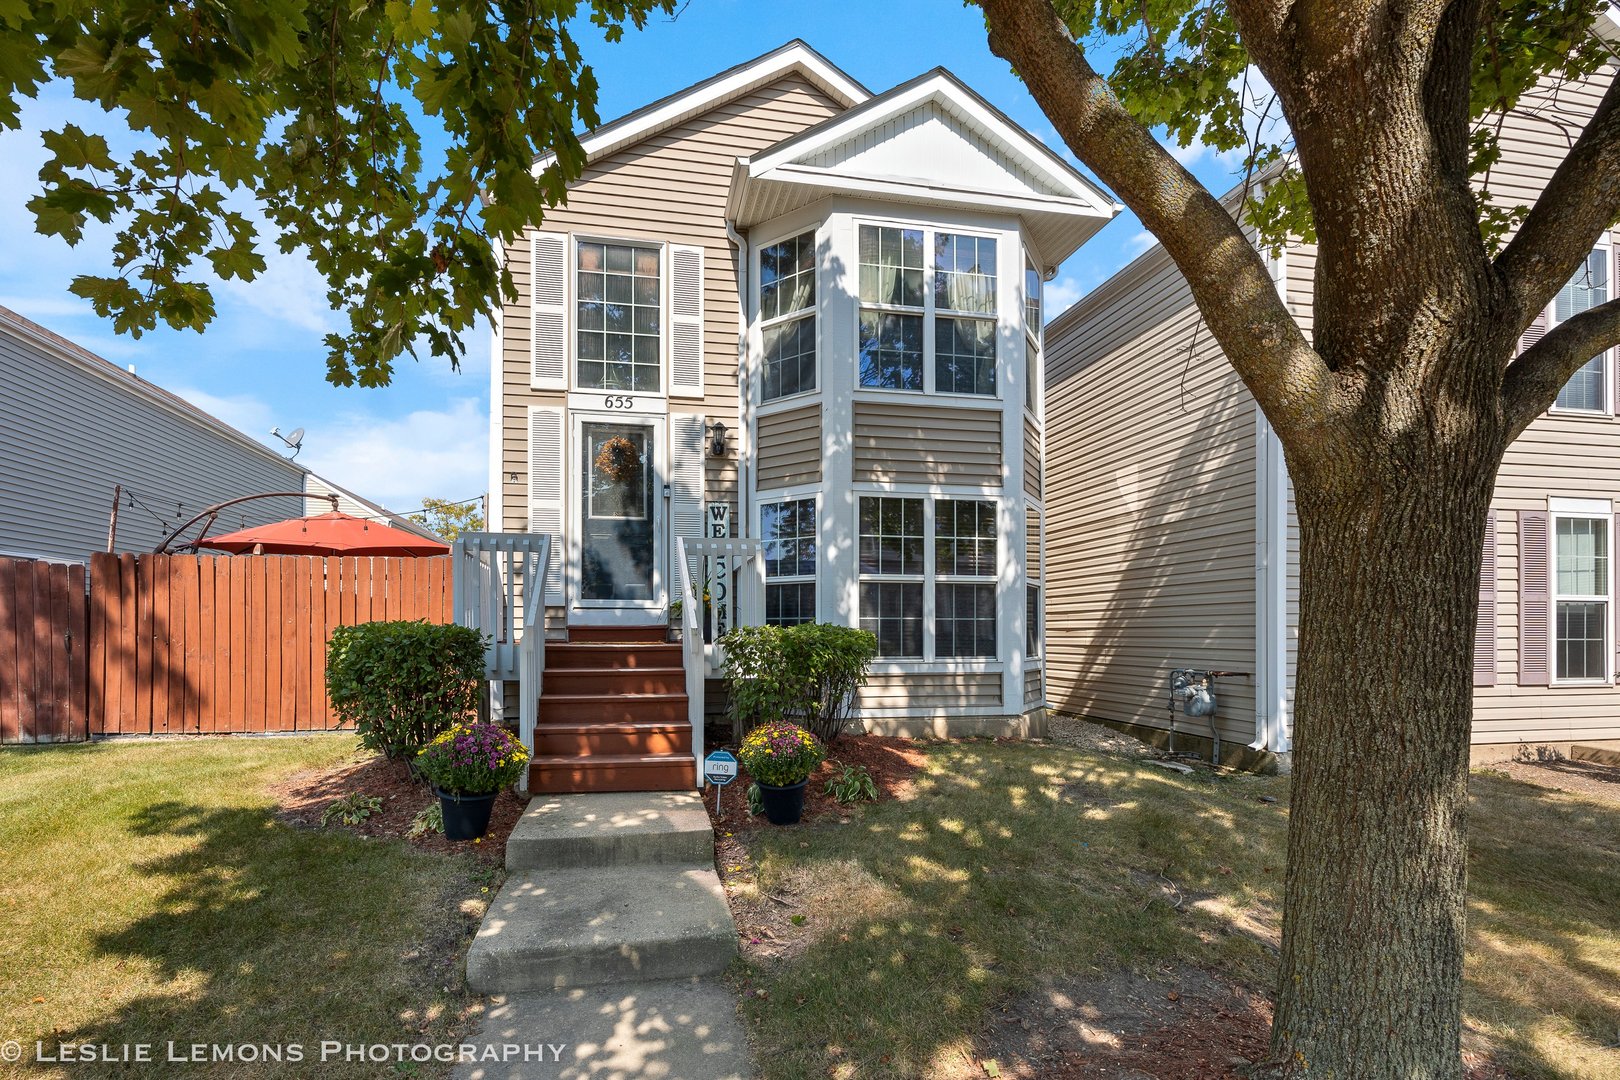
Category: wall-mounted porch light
[717,439]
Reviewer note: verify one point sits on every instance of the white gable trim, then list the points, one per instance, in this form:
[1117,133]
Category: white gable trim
[915,188]
[795,56]
[941,87]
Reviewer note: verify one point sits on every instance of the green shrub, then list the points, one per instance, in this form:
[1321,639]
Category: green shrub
[402,683]
[853,784]
[352,809]
[805,674]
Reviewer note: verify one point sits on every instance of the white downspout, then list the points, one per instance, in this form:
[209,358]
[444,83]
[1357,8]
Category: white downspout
[745,411]
[1271,572]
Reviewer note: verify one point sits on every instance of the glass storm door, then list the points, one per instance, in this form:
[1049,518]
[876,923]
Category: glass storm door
[617,514]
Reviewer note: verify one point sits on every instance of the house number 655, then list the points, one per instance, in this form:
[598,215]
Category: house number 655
[618,401]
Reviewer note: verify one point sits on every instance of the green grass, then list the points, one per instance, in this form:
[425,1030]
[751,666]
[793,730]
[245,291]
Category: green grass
[1017,863]
[147,894]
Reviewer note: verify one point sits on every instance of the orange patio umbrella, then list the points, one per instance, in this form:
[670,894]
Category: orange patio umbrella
[326,534]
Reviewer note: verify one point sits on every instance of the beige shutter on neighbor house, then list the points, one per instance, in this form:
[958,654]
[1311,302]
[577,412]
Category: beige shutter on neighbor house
[1485,628]
[548,312]
[1535,599]
[546,491]
[685,321]
[1535,331]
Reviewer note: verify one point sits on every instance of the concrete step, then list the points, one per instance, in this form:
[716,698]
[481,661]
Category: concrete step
[600,654]
[613,772]
[612,709]
[569,682]
[630,737]
[650,634]
[584,926]
[611,829]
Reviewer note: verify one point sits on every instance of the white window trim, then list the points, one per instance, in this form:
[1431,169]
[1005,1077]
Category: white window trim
[1608,354]
[764,324]
[664,320]
[930,577]
[927,311]
[1564,509]
[814,577]
[1035,336]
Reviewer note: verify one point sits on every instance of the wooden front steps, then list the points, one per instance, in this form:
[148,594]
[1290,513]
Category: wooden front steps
[613,714]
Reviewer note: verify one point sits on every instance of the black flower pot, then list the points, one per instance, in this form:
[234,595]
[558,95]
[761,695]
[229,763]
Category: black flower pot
[783,805]
[466,817]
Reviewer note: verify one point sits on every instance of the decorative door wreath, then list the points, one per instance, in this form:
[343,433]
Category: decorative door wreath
[618,459]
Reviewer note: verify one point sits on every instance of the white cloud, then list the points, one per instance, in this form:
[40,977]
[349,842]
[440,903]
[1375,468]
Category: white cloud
[244,412]
[397,461]
[1060,295]
[288,289]
[1140,242]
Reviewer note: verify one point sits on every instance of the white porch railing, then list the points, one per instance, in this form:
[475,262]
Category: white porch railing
[727,571]
[490,574]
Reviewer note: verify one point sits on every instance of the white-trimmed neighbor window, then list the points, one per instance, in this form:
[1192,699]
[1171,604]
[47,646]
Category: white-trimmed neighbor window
[787,311]
[964,578]
[788,530]
[1588,389]
[1582,591]
[1032,332]
[952,298]
[893,570]
[618,324]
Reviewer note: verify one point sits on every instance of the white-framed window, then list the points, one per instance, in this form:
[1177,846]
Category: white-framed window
[965,578]
[1034,622]
[1033,328]
[915,548]
[1589,389]
[618,316]
[928,314]
[1582,591]
[787,311]
[787,528]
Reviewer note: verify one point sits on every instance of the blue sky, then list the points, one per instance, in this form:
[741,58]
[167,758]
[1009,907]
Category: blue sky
[261,363]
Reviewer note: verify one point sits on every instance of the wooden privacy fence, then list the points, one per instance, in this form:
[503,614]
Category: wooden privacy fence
[171,644]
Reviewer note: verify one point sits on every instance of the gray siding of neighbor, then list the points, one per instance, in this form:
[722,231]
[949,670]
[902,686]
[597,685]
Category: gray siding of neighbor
[1150,507]
[72,426]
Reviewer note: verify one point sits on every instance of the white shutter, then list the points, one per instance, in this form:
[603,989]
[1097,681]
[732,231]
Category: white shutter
[686,474]
[685,321]
[548,312]
[546,491]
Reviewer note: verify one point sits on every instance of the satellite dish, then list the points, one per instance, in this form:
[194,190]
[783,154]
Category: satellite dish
[294,441]
[297,437]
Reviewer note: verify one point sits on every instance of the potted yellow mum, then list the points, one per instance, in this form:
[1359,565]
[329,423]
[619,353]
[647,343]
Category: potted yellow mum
[780,757]
[468,766]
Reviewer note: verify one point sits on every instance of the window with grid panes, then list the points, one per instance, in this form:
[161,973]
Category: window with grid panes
[787,300]
[1581,598]
[618,331]
[893,569]
[1587,389]
[788,535]
[964,578]
[965,314]
[892,307]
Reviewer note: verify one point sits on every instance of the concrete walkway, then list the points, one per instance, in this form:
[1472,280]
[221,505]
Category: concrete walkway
[601,950]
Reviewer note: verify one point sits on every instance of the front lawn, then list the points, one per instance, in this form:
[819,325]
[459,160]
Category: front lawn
[149,894]
[1058,912]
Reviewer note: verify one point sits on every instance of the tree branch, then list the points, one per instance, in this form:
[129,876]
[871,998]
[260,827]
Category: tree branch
[1580,201]
[1534,379]
[1229,280]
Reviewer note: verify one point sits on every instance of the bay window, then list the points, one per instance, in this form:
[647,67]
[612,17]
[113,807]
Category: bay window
[1588,389]
[618,303]
[965,314]
[952,556]
[965,577]
[787,310]
[788,532]
[1581,597]
[893,569]
[1032,333]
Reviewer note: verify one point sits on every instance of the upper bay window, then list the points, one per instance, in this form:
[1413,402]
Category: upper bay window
[1588,389]
[618,325]
[906,302]
[1032,333]
[787,311]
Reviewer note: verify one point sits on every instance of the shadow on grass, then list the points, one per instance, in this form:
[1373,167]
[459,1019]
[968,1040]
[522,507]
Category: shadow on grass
[259,934]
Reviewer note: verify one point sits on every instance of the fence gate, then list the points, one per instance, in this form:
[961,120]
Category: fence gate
[43,649]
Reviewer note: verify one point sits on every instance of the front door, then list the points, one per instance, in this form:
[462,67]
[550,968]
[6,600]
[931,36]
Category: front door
[619,514]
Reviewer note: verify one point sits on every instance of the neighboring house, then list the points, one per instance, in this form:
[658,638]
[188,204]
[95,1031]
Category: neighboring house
[877,380]
[74,427]
[1179,545]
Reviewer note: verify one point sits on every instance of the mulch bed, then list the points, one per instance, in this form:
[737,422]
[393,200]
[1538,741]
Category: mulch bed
[302,797]
[891,761]
[1592,779]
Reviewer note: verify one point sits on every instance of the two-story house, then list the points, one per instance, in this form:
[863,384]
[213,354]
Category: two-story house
[778,303]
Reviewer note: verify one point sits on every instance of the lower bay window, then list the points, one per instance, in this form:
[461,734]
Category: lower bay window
[788,532]
[898,564]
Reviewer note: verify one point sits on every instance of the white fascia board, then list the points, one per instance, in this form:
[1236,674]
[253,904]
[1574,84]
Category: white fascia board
[1030,152]
[889,187]
[796,56]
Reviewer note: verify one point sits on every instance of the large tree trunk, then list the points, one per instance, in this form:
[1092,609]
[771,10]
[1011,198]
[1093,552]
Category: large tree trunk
[1371,973]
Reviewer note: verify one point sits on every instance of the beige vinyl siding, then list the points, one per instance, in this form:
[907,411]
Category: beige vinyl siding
[1032,460]
[1151,500]
[790,448]
[931,689]
[908,443]
[1032,686]
[669,188]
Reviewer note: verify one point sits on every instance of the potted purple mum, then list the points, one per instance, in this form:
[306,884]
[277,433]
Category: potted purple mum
[468,766]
